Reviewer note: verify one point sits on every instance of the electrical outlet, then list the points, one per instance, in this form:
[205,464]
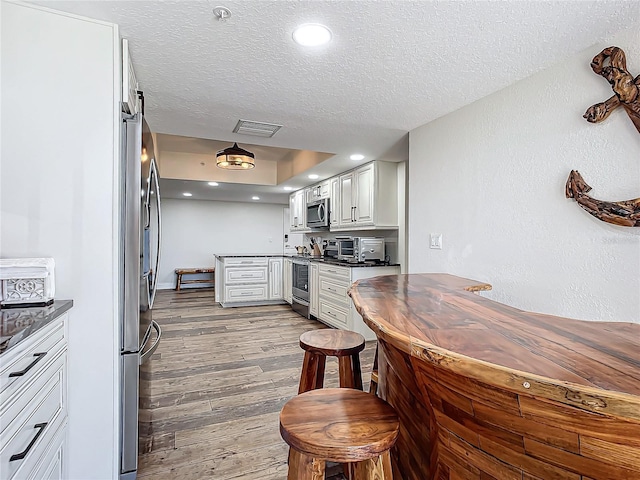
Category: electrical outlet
[436,241]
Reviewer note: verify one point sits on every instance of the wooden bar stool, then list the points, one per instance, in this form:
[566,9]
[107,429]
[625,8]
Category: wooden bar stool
[340,425]
[318,344]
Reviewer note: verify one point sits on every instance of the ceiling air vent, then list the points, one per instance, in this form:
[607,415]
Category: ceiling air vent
[258,129]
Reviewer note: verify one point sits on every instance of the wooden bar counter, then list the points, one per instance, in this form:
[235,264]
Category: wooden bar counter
[487,391]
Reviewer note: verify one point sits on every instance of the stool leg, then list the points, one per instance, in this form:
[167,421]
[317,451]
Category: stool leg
[346,372]
[303,467]
[322,362]
[374,469]
[312,376]
[357,371]
[178,281]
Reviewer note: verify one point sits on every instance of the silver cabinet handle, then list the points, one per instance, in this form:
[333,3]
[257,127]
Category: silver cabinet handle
[246,293]
[331,289]
[146,355]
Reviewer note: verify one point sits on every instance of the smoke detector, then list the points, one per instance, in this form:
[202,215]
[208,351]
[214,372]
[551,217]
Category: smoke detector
[257,129]
[221,13]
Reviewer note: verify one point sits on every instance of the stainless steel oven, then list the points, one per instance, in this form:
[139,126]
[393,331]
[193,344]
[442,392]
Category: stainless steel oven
[300,286]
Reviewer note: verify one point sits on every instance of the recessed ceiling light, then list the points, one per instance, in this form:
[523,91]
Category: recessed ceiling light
[255,198]
[213,184]
[357,156]
[187,194]
[313,176]
[288,189]
[311,35]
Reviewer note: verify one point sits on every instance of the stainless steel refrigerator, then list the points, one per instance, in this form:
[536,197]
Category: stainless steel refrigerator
[140,258]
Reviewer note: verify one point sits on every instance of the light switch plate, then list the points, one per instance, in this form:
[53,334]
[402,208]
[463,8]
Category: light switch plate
[436,241]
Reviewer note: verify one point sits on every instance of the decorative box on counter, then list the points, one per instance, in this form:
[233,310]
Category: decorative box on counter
[27,282]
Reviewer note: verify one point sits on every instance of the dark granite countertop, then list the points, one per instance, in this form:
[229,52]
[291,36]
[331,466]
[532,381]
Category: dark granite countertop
[16,324]
[332,261]
[248,255]
[344,263]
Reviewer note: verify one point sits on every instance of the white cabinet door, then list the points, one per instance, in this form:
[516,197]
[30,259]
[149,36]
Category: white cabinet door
[298,210]
[363,180]
[334,202]
[275,278]
[286,279]
[293,221]
[346,205]
[314,290]
[324,189]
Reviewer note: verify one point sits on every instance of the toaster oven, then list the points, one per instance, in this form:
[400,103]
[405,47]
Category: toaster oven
[361,249]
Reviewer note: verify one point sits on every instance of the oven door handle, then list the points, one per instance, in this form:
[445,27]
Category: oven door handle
[301,301]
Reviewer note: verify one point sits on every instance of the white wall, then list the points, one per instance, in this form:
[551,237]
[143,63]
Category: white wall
[193,231]
[59,132]
[490,177]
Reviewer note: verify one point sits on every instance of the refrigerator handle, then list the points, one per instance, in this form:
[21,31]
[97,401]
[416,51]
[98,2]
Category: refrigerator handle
[154,173]
[144,356]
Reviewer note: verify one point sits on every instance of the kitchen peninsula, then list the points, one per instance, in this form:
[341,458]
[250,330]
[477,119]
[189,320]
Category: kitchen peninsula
[483,388]
[268,279]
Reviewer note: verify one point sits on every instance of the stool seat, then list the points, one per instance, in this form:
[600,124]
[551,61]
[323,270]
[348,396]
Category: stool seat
[318,344]
[339,424]
[330,342]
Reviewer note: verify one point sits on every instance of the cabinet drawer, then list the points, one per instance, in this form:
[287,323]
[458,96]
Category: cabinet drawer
[51,465]
[334,315]
[337,288]
[333,271]
[245,275]
[245,294]
[15,373]
[246,261]
[33,421]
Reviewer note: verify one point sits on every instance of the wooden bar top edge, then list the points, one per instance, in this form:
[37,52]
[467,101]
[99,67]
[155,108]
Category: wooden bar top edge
[390,324]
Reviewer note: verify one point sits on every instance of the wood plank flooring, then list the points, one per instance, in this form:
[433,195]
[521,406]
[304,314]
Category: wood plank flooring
[212,392]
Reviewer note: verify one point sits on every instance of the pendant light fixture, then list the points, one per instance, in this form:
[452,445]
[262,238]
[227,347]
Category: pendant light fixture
[235,158]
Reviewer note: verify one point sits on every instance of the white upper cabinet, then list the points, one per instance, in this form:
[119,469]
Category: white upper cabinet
[362,199]
[334,202]
[367,198]
[319,191]
[345,206]
[298,210]
[130,103]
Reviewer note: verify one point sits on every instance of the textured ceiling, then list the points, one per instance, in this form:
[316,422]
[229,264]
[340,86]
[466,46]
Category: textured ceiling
[391,67]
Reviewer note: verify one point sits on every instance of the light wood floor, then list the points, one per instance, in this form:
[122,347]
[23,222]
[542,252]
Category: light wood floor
[215,386]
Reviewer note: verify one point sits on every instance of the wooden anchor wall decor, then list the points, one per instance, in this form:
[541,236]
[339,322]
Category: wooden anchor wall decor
[610,63]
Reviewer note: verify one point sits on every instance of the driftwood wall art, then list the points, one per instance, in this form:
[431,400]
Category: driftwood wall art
[625,213]
[611,63]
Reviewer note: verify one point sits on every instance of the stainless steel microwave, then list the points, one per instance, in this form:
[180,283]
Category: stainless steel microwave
[318,213]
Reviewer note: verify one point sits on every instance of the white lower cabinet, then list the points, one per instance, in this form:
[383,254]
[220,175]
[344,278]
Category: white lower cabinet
[33,410]
[335,307]
[275,279]
[245,281]
[314,291]
[286,280]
